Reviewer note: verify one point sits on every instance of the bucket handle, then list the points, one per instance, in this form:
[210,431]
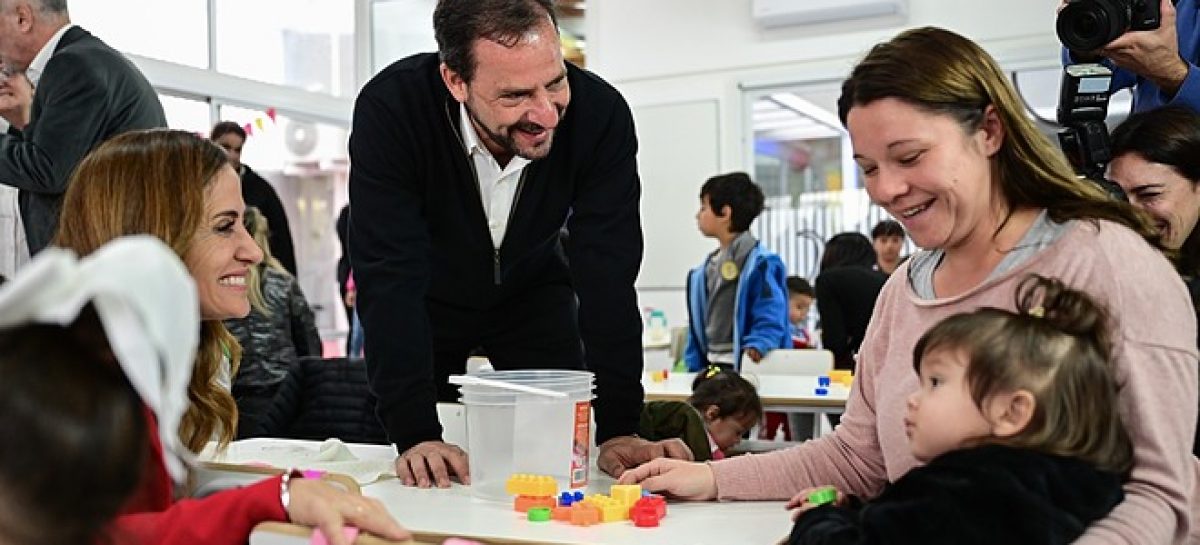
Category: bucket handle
[463,380]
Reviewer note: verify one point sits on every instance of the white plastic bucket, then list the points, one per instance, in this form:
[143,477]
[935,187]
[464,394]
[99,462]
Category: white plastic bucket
[514,432]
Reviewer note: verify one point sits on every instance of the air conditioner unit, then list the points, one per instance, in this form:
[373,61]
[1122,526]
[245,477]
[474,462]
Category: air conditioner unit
[777,13]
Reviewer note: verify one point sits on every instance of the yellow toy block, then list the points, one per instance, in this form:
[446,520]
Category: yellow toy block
[627,494]
[524,484]
[611,510]
[842,376]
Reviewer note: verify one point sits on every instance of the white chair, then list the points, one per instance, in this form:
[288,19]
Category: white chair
[786,361]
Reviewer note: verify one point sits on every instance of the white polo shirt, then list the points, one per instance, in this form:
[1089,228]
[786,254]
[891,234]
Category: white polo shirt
[497,186]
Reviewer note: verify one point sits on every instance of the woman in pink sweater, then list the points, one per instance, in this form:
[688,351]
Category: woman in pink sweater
[946,148]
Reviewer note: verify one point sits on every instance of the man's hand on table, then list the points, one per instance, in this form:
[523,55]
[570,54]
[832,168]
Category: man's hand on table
[626,452]
[432,463]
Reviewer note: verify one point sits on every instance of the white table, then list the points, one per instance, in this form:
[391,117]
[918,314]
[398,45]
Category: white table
[434,514]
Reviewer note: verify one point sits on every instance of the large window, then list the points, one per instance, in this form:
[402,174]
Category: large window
[400,28]
[186,114]
[174,31]
[307,44]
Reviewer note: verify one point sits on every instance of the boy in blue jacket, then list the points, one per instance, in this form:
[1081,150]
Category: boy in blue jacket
[737,300]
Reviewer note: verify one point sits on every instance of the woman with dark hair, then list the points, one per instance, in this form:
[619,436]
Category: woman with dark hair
[847,287]
[1156,160]
[946,147]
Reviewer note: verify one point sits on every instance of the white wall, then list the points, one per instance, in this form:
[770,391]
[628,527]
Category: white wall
[661,52]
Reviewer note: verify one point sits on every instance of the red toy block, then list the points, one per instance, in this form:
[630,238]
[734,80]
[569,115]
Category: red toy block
[655,503]
[644,519]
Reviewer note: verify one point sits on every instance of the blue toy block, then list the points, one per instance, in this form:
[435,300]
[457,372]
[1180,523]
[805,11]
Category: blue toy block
[823,382]
[822,391]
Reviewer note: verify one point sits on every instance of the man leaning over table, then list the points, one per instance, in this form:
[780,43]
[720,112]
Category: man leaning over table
[466,168]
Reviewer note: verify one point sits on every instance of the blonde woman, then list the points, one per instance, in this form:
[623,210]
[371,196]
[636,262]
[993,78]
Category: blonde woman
[180,188]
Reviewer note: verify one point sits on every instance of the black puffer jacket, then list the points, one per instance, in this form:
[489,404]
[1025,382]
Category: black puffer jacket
[270,344]
[320,399]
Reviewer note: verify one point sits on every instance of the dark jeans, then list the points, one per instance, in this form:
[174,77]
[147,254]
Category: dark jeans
[536,330]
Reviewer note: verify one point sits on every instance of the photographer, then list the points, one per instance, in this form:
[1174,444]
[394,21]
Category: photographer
[1158,61]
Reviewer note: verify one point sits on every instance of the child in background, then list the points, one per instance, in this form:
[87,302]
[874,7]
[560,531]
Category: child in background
[737,303]
[722,407]
[800,300]
[1017,420]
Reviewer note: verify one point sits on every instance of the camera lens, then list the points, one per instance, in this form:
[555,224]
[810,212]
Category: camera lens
[1086,25]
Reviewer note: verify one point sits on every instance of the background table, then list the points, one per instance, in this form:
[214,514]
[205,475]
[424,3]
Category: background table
[783,393]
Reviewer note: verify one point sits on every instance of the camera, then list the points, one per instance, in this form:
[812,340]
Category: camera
[1082,107]
[1086,25]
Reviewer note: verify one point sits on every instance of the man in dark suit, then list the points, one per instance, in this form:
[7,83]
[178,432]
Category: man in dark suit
[257,192]
[85,92]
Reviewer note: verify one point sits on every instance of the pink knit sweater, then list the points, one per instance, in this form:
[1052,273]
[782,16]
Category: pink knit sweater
[1155,332]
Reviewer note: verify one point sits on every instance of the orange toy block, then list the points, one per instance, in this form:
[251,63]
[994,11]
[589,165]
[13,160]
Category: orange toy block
[583,514]
[525,503]
[562,513]
[523,484]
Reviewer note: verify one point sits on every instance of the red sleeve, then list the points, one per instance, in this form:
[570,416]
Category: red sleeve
[222,518]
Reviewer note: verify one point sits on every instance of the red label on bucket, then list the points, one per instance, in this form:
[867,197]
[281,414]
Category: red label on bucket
[583,439]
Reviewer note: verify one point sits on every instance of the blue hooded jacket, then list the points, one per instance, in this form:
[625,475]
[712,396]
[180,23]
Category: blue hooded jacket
[759,308]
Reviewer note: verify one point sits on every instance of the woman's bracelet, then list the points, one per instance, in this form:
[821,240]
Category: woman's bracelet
[285,486]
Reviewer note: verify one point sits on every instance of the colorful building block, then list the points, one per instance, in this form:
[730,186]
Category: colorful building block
[627,494]
[822,496]
[823,381]
[655,503]
[842,376]
[523,484]
[539,514]
[525,503]
[659,376]
[562,513]
[568,498]
[644,516]
[611,510]
[822,391]
[584,514]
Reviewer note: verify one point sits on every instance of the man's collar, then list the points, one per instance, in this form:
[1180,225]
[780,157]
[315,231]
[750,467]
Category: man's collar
[470,137]
[473,144]
[38,65]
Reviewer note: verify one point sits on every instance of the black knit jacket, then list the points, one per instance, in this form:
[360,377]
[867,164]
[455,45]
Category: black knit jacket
[418,235]
[321,399]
